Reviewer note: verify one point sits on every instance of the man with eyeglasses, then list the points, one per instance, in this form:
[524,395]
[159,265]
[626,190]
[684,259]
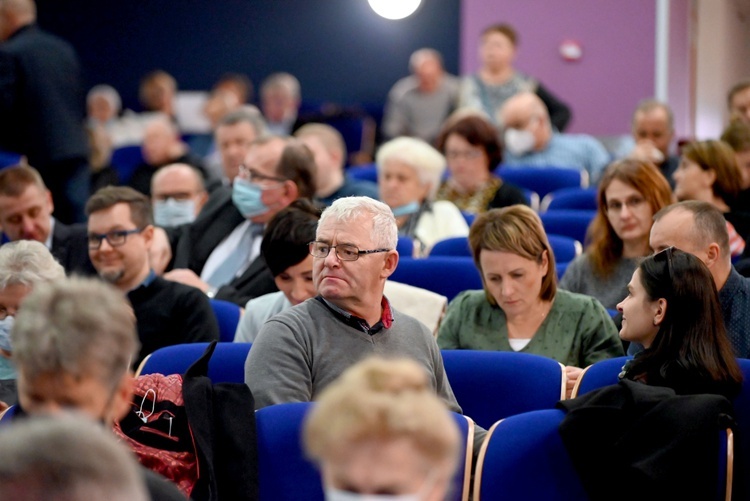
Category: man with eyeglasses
[219,253]
[120,234]
[300,351]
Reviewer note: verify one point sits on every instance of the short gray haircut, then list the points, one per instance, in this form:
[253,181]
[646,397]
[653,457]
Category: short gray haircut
[348,209]
[709,225]
[77,326]
[248,114]
[281,80]
[428,162]
[107,92]
[29,263]
[66,458]
[649,105]
[420,55]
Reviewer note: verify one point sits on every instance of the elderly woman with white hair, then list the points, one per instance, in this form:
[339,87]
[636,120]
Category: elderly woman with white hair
[409,174]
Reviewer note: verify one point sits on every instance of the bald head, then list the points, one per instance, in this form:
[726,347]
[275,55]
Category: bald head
[526,111]
[15,14]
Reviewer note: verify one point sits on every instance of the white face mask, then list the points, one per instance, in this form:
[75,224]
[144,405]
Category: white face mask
[6,325]
[171,212]
[338,495]
[519,141]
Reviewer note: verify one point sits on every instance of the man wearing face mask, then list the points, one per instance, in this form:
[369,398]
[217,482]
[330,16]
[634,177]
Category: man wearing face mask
[219,253]
[530,140]
[177,194]
[72,356]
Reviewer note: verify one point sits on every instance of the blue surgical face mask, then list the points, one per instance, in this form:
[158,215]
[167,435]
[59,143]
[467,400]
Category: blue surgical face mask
[338,495]
[247,198]
[6,325]
[406,209]
[171,212]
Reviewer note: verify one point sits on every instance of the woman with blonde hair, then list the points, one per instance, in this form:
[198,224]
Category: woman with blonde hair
[521,308]
[380,430]
[630,193]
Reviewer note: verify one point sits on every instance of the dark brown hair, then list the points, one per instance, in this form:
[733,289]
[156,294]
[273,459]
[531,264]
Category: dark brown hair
[14,180]
[477,131]
[504,29]
[297,164]
[140,207]
[718,157]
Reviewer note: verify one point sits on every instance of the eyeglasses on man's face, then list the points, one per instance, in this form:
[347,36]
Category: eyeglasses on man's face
[254,176]
[114,238]
[345,252]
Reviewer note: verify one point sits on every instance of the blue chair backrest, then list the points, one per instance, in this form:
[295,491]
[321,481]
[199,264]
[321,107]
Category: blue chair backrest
[564,248]
[569,223]
[599,375]
[227,364]
[523,457]
[742,416]
[125,159]
[9,159]
[543,180]
[405,246]
[560,269]
[284,472]
[445,275]
[492,385]
[570,199]
[455,246]
[228,316]
[367,172]
[469,217]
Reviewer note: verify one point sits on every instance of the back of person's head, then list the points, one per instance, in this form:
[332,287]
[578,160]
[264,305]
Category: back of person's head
[605,246]
[76,327]
[285,241]
[691,336]
[297,164]
[477,131]
[16,13]
[518,230]
[427,162]
[66,458]
[140,207]
[379,401]
[718,157]
[28,262]
[329,137]
[14,180]
[350,209]
[709,225]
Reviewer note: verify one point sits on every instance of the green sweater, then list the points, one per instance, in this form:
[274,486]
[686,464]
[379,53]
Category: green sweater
[577,331]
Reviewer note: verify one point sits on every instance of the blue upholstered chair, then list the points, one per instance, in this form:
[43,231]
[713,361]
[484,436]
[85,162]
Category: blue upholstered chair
[569,223]
[564,248]
[228,316]
[405,246]
[444,275]
[598,375]
[543,180]
[455,246]
[227,364]
[367,172]
[125,159]
[492,385]
[570,199]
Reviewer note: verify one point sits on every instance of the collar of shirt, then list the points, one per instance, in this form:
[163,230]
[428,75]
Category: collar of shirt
[147,281]
[48,242]
[386,317]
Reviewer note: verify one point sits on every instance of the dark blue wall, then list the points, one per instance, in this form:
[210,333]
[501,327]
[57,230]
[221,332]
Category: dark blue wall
[340,50]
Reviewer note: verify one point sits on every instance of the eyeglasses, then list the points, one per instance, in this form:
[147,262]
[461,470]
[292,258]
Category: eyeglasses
[254,176]
[666,255]
[345,252]
[114,238]
[632,203]
[467,155]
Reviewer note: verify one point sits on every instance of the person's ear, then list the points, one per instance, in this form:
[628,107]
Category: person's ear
[713,254]
[661,311]
[291,192]
[148,235]
[390,263]
[545,263]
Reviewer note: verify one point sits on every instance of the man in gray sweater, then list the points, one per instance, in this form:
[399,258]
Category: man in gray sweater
[300,351]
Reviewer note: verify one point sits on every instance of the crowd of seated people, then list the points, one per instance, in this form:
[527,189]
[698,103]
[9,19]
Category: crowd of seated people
[281,227]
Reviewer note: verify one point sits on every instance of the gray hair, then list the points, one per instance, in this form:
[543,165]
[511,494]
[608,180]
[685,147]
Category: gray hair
[428,163]
[78,326]
[66,458]
[709,225]
[107,92]
[649,105]
[347,209]
[28,262]
[282,80]
[248,114]
[420,55]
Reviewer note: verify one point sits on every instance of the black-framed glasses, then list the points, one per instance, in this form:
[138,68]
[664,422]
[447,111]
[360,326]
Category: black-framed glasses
[114,238]
[666,255]
[254,176]
[345,252]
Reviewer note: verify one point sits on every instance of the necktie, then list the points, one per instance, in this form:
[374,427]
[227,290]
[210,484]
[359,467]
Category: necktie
[237,259]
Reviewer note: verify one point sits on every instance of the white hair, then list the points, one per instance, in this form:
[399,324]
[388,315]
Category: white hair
[285,81]
[28,262]
[428,162]
[420,55]
[347,209]
[109,93]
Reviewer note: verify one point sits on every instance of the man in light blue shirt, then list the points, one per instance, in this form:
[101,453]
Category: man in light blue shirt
[530,140]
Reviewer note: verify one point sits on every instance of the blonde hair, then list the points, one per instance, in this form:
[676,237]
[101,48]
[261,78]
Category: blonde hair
[382,400]
[427,162]
[516,229]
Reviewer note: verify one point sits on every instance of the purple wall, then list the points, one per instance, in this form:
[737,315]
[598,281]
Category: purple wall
[617,67]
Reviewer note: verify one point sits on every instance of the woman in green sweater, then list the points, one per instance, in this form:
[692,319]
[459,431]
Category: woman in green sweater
[520,308]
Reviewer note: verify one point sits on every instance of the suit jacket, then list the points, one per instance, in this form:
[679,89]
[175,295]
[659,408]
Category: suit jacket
[41,98]
[70,248]
[193,243]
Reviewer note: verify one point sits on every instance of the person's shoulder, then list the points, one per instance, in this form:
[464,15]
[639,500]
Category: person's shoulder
[265,301]
[445,208]
[470,299]
[159,488]
[573,302]
[403,86]
[178,290]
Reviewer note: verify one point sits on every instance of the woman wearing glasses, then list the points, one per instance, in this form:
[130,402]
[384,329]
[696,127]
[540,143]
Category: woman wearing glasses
[520,308]
[630,193]
[472,149]
[672,309]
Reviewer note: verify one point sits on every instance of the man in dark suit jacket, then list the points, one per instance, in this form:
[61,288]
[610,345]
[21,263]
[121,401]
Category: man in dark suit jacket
[42,106]
[26,214]
[277,171]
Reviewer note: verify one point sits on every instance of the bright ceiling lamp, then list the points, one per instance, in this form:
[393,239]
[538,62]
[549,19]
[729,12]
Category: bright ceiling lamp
[394,9]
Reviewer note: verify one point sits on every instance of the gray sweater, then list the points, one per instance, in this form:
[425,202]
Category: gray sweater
[303,349]
[580,277]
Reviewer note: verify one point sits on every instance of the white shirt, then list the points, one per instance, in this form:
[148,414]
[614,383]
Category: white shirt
[226,247]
